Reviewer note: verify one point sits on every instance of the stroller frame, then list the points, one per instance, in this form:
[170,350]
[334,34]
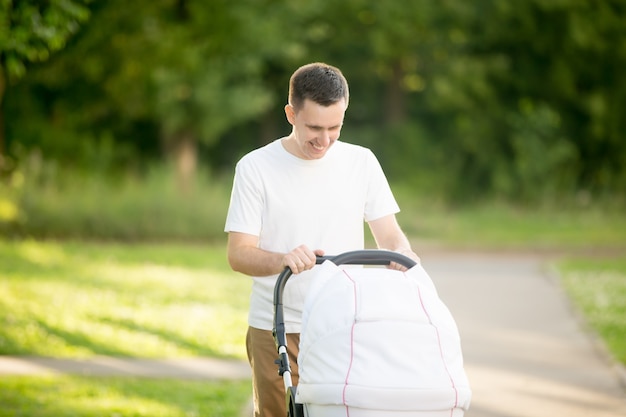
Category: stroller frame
[358,257]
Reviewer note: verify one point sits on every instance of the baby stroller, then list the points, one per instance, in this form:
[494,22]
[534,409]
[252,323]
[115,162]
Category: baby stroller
[375,342]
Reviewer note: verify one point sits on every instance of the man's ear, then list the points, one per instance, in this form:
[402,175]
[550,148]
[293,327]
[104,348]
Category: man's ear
[290,112]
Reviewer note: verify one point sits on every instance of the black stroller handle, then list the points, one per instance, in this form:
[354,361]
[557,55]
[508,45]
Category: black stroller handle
[369,257]
[358,257]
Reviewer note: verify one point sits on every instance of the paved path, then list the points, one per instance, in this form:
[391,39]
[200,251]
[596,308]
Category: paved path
[526,352]
[183,368]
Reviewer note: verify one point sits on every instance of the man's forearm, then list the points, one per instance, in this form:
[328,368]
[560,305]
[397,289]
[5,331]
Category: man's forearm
[388,235]
[256,262]
[246,257]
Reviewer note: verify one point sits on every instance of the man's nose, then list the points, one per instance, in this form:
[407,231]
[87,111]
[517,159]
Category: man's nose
[324,139]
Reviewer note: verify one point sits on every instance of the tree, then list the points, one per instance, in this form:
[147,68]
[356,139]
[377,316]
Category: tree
[557,79]
[477,98]
[188,69]
[205,76]
[30,31]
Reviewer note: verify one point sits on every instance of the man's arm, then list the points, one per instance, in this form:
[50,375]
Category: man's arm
[389,236]
[246,257]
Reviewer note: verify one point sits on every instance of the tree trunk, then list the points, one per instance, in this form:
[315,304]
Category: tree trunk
[185,153]
[269,129]
[3,89]
[395,97]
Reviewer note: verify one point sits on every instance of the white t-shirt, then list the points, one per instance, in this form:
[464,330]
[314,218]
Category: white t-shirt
[287,201]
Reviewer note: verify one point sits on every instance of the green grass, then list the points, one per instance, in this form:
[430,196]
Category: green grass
[52,202]
[78,299]
[504,226]
[598,288]
[72,396]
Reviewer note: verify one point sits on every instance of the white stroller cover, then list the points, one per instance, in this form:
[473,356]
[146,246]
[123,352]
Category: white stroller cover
[379,339]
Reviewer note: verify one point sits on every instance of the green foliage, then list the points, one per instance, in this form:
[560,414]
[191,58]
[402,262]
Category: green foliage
[31,30]
[469,100]
[214,81]
[65,396]
[45,199]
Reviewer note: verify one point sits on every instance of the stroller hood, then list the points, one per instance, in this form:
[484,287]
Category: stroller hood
[379,339]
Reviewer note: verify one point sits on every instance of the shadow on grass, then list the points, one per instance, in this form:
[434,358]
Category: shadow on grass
[170,337]
[41,334]
[65,396]
[80,340]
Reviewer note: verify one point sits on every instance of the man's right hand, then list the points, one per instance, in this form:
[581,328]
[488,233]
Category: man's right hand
[301,259]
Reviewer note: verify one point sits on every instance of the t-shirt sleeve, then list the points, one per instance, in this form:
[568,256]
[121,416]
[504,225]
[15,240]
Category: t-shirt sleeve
[246,202]
[380,200]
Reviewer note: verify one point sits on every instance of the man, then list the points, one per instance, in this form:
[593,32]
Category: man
[300,196]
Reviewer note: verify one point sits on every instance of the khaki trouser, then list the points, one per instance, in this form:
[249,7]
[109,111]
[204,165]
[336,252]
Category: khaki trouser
[268,388]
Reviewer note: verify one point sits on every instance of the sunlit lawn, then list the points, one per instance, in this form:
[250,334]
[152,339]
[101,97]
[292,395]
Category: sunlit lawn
[71,396]
[78,299]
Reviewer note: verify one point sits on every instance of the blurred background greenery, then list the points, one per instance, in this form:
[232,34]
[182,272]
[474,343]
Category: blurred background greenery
[124,119]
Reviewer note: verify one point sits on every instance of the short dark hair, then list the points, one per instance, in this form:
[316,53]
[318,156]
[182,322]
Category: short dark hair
[319,82]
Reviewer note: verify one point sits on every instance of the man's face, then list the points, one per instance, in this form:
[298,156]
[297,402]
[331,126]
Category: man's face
[315,128]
